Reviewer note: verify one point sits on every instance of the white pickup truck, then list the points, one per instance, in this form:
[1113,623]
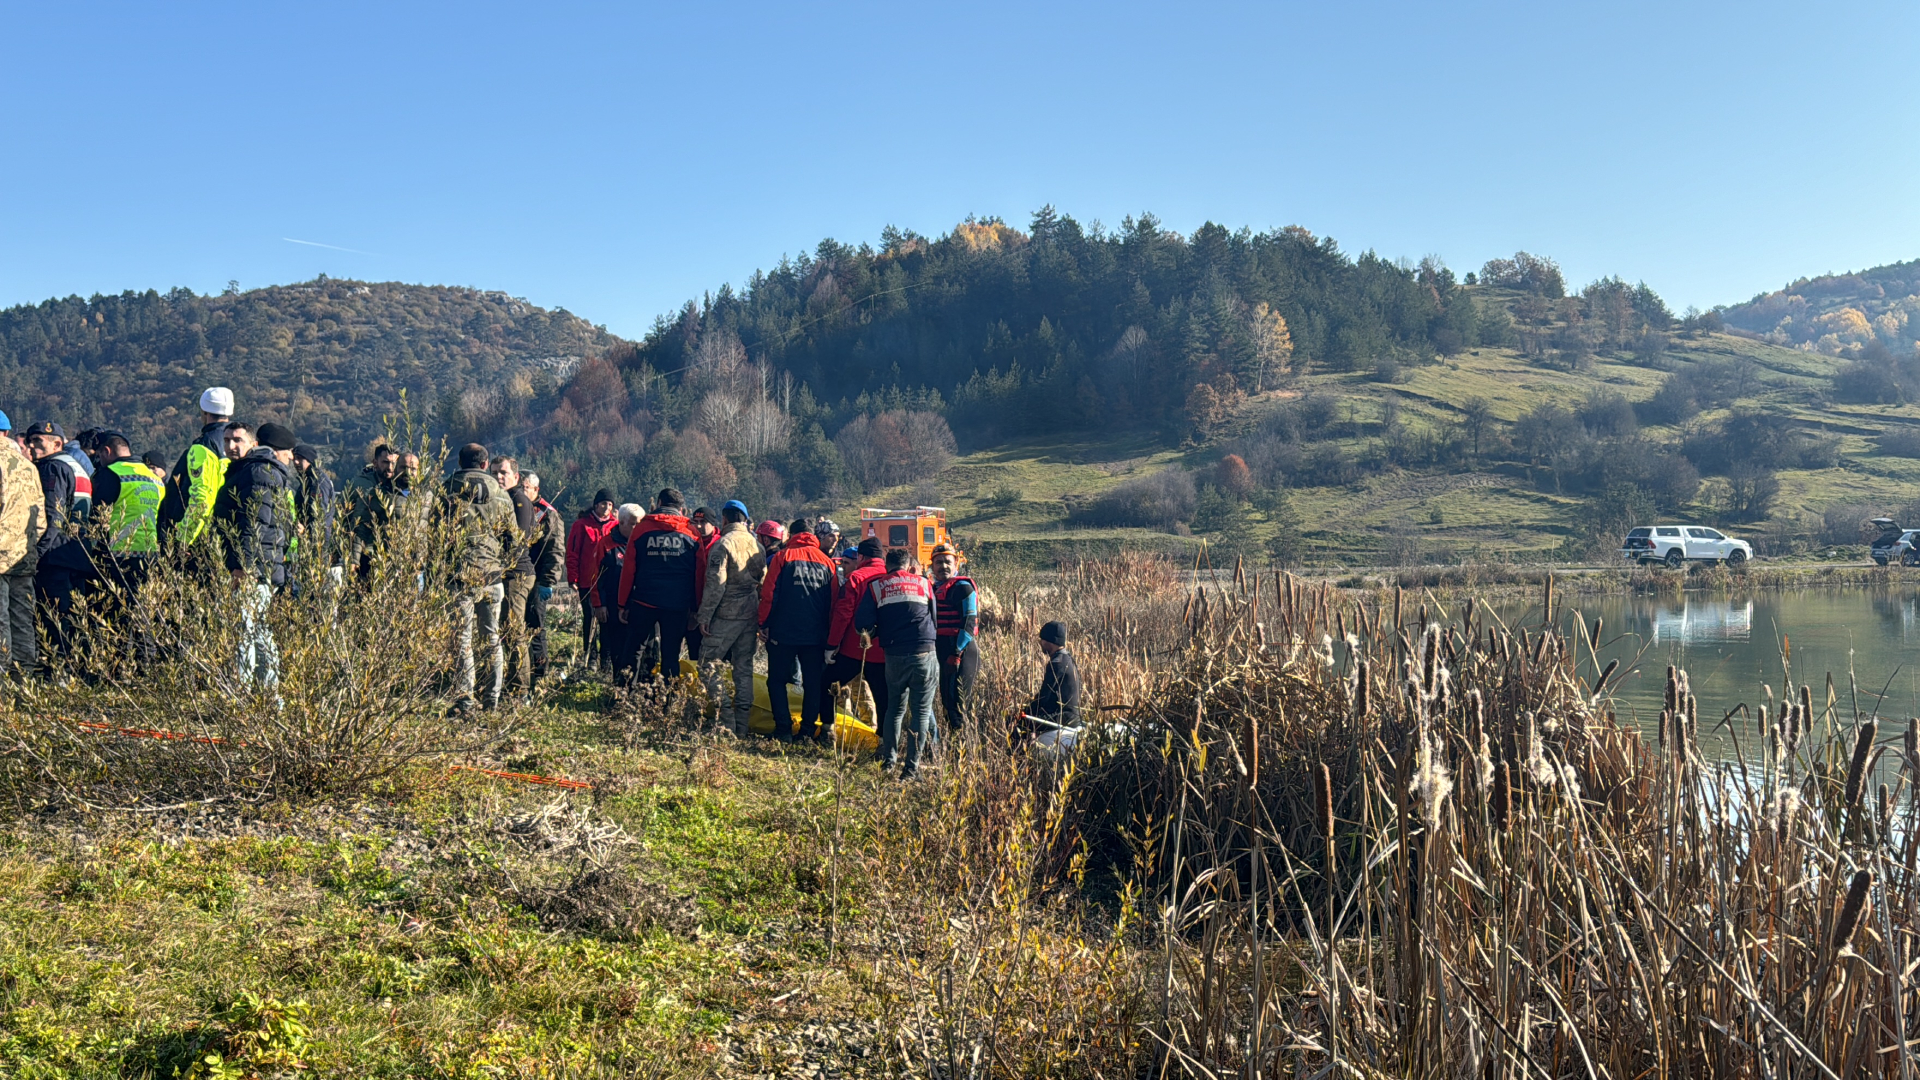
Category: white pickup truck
[1677,545]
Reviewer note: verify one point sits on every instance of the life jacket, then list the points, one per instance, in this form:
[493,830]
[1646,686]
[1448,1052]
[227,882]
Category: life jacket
[948,616]
[135,515]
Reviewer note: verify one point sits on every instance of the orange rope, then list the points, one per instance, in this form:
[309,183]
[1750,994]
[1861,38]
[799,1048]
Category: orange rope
[149,733]
[528,778]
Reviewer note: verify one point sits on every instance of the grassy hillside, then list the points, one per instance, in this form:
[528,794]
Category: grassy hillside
[1501,507]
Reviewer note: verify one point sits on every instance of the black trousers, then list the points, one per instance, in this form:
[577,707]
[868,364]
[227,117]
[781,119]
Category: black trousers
[811,661]
[536,621]
[54,587]
[118,590]
[956,685]
[643,621]
[846,668]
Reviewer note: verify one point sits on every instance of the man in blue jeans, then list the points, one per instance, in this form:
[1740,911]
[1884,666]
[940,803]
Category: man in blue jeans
[897,609]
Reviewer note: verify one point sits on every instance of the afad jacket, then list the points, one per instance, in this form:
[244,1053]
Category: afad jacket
[584,538]
[662,559]
[797,594]
[843,635]
[897,609]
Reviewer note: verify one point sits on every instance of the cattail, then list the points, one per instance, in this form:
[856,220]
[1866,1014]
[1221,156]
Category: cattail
[1673,689]
[1503,795]
[1693,718]
[1806,708]
[1854,907]
[1857,770]
[1362,698]
[1913,743]
[1546,599]
[1612,666]
[1430,661]
[1886,806]
[1323,799]
[1594,639]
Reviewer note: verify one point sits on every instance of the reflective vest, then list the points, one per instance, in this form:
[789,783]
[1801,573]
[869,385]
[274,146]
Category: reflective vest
[134,516]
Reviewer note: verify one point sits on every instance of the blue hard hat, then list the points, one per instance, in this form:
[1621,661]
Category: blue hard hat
[5,424]
[736,504]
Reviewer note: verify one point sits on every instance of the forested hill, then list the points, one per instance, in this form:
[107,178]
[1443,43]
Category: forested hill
[1838,314]
[329,356]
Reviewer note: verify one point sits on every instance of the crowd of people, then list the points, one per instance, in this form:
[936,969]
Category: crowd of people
[653,582]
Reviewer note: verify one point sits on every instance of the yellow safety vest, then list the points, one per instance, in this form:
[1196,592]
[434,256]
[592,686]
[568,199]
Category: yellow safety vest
[135,515]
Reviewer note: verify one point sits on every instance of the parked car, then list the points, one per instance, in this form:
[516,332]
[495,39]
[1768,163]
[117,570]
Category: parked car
[1895,544]
[1677,545]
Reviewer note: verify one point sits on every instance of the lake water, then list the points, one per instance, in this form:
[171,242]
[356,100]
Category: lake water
[1731,645]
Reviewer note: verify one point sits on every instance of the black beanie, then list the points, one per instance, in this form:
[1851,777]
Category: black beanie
[276,436]
[1055,632]
[603,495]
[870,548]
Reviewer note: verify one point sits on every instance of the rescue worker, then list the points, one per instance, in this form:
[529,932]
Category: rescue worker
[253,515]
[546,572]
[481,515]
[729,609]
[825,531]
[850,658]
[958,607]
[706,526]
[23,517]
[657,580]
[897,609]
[196,478]
[796,611]
[584,537]
[369,500]
[518,580]
[129,490]
[1058,701]
[62,565]
[603,590]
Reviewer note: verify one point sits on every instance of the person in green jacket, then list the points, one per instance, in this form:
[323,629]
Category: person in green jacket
[187,504]
[484,534]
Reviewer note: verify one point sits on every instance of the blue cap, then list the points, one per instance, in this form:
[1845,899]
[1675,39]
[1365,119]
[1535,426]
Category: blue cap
[736,504]
[5,424]
[849,552]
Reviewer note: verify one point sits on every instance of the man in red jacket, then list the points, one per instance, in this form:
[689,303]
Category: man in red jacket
[584,538]
[706,526]
[656,584]
[851,658]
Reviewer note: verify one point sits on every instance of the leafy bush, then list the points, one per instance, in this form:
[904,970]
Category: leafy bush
[1155,501]
[1900,442]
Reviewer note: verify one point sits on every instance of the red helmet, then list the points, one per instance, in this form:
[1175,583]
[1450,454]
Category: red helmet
[771,530]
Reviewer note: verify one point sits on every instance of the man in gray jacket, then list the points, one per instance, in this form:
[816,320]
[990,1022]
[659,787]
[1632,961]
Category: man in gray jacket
[729,613]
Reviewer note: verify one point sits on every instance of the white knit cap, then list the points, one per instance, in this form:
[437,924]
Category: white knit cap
[217,401]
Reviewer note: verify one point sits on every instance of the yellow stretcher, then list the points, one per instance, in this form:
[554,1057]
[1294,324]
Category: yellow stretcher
[850,732]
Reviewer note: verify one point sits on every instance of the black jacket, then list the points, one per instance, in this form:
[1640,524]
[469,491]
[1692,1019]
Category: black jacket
[525,519]
[1059,696]
[253,515]
[69,495]
[314,498]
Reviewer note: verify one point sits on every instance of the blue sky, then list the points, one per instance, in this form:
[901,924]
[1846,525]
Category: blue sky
[619,159]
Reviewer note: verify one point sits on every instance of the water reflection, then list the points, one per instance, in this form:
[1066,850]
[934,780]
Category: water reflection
[1733,645]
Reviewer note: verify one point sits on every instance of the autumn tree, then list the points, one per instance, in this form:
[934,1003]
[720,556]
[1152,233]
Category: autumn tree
[1272,346]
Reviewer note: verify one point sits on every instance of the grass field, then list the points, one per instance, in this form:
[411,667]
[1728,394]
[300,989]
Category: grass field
[1490,512]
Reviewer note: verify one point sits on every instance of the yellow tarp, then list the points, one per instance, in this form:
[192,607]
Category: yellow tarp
[849,731]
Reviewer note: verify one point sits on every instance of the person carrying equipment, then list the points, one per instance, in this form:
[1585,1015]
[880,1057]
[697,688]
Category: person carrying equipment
[656,582]
[850,658]
[187,505]
[897,609]
[796,611]
[729,605]
[957,608]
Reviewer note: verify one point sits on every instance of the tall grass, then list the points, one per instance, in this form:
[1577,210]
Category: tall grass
[1328,836]
[150,707]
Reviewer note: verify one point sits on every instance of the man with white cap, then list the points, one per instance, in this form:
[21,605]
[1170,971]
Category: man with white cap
[196,479]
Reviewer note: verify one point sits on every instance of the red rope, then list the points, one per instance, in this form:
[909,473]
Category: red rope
[528,778]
